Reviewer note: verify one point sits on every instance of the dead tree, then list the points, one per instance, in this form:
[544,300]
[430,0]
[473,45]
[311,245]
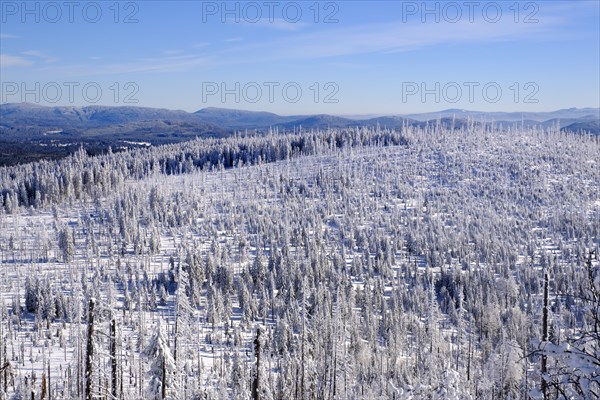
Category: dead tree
[545,336]
[113,358]
[89,356]
[256,382]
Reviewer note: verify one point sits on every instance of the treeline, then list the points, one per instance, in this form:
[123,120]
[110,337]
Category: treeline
[49,182]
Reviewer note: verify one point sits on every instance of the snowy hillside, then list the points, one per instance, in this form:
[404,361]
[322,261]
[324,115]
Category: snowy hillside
[336,264]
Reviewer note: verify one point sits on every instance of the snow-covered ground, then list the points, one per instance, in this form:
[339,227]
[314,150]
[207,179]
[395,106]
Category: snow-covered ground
[372,271]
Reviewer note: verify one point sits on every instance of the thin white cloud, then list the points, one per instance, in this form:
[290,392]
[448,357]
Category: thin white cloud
[383,38]
[156,64]
[38,54]
[276,23]
[395,37]
[173,52]
[8,36]
[165,64]
[7,60]
[337,40]
[348,65]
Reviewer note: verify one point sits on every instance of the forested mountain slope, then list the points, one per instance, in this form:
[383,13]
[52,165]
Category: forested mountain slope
[339,264]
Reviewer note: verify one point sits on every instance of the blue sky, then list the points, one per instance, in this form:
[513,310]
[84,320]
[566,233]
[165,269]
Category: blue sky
[305,57]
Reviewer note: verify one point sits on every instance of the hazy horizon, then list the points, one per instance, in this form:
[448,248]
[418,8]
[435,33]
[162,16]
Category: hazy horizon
[347,115]
[292,58]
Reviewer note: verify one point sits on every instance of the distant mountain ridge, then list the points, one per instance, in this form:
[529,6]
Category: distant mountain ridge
[222,119]
[46,132]
[568,113]
[240,119]
[89,116]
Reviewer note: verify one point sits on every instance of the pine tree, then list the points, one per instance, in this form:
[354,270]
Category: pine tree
[66,244]
[162,365]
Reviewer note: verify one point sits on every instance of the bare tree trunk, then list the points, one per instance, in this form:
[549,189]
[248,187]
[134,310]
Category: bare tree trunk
[469,352]
[334,389]
[90,352]
[113,358]
[49,382]
[176,336]
[256,382]
[545,335]
[2,362]
[303,362]
[164,378]
[44,386]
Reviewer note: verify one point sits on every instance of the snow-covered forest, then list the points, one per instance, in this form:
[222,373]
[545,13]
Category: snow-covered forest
[367,263]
